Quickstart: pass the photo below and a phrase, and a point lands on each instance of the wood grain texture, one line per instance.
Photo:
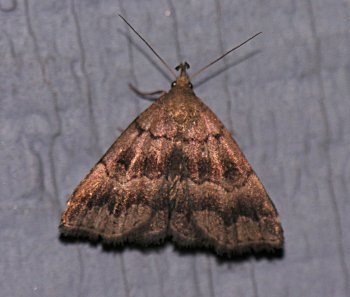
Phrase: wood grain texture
(64, 70)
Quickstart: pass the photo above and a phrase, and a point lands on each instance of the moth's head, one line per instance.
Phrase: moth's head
(183, 79)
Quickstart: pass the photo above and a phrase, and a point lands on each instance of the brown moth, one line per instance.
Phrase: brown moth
(176, 172)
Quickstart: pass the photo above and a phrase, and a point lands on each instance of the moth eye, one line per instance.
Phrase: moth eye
(190, 85)
(173, 84)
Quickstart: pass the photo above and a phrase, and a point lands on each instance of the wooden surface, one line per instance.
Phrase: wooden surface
(64, 70)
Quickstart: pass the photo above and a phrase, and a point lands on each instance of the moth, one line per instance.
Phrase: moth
(176, 172)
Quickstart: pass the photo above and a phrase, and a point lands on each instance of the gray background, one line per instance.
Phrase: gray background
(64, 70)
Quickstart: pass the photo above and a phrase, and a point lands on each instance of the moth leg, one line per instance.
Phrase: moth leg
(152, 96)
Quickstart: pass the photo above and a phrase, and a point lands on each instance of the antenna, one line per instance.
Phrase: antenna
(218, 59)
(150, 47)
